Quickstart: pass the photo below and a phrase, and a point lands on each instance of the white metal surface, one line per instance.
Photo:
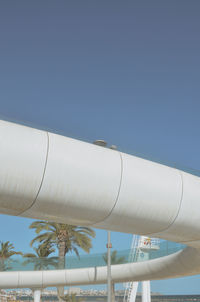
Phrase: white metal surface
(52, 177)
(186, 225)
(180, 264)
(23, 153)
(146, 189)
(79, 183)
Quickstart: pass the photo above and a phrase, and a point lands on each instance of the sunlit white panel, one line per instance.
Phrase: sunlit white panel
(54, 278)
(33, 278)
(81, 182)
(186, 226)
(9, 279)
(23, 153)
(149, 198)
(80, 275)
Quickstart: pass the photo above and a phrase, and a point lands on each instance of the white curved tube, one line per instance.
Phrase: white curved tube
(48, 176)
(182, 263)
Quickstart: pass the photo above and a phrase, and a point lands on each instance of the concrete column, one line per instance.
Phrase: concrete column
(146, 296)
(37, 295)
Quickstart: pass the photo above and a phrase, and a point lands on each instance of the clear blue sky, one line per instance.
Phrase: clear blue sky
(124, 71)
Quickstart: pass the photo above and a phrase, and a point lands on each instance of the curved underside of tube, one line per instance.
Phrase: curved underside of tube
(48, 176)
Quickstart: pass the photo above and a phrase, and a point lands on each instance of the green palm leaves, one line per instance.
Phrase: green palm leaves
(114, 258)
(6, 252)
(66, 238)
(40, 259)
(71, 298)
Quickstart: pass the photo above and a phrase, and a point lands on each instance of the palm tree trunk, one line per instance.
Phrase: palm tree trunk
(62, 255)
(113, 292)
(60, 291)
(61, 252)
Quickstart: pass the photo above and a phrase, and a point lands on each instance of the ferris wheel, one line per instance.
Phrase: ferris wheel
(141, 247)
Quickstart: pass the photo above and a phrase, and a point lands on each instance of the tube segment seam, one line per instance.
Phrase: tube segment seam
(120, 183)
(18, 276)
(179, 208)
(42, 279)
(165, 271)
(45, 165)
(181, 263)
(65, 276)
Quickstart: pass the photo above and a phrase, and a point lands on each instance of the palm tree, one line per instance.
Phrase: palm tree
(114, 259)
(65, 237)
(71, 298)
(6, 252)
(39, 259)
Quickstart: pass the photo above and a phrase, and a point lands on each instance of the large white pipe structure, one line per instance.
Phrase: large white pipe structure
(183, 263)
(48, 176)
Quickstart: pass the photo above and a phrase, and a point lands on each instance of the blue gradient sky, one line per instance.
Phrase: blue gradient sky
(124, 71)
